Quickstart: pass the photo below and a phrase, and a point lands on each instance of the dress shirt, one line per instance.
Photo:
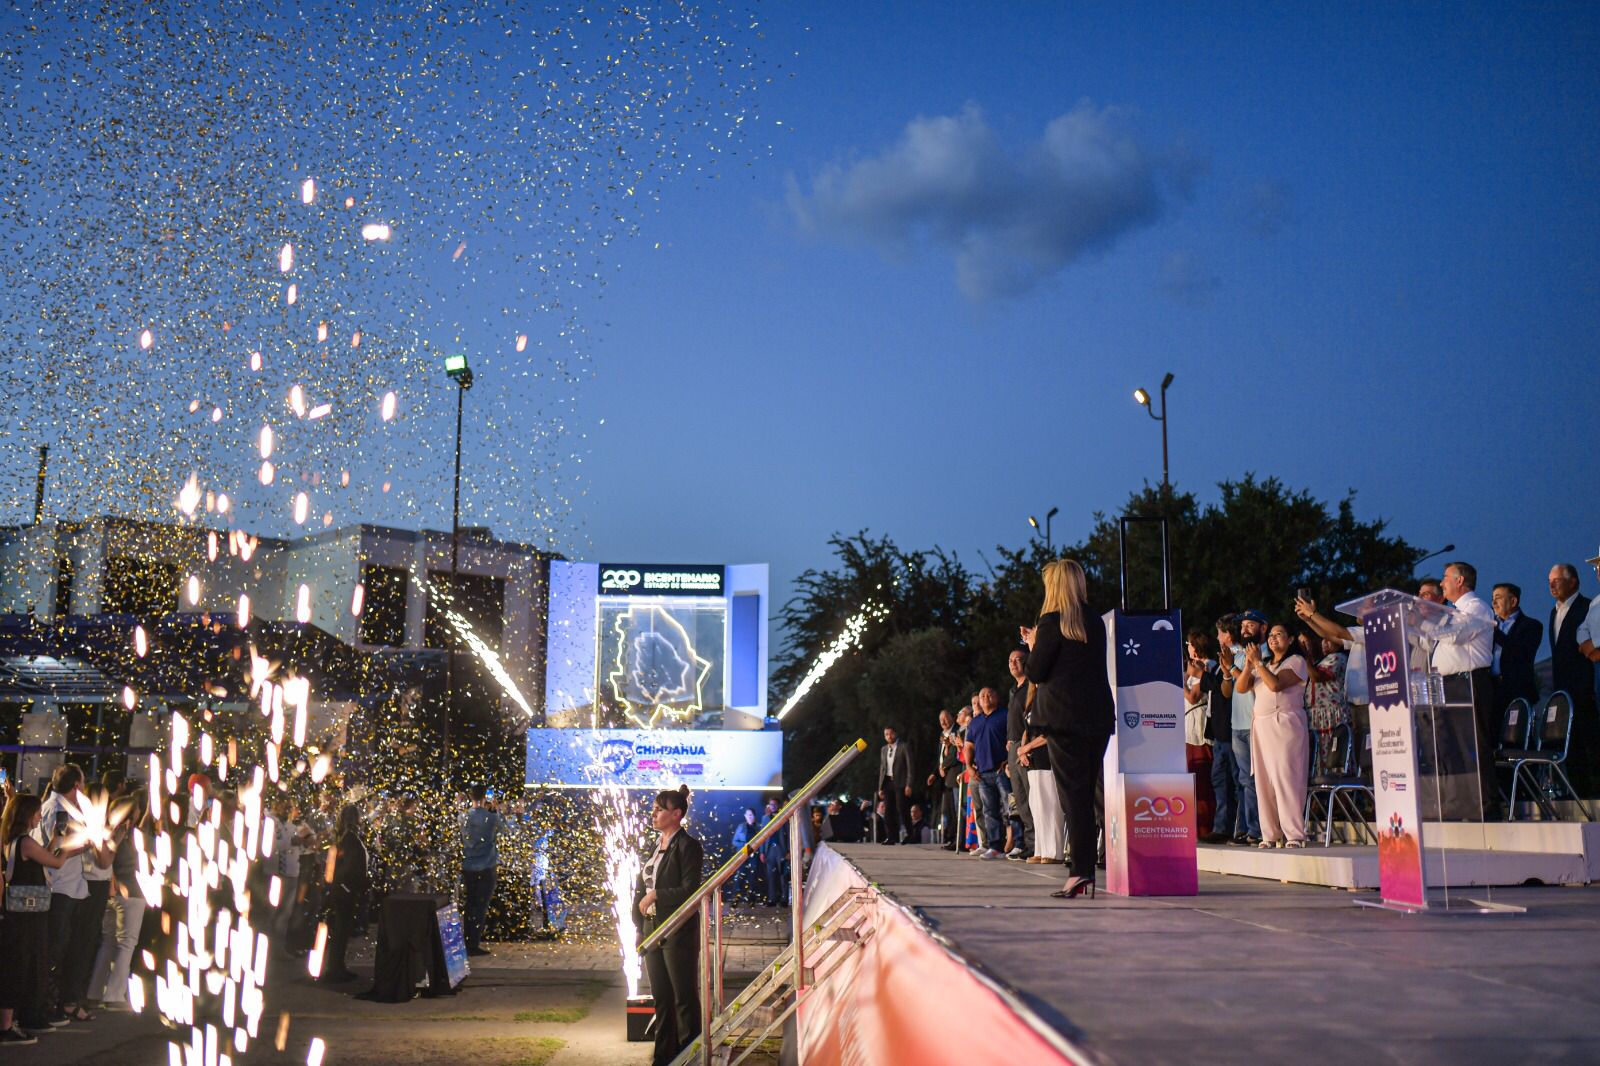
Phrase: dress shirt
(1456, 651)
(1562, 607)
(1242, 705)
(1505, 625)
(1355, 667)
(1589, 628)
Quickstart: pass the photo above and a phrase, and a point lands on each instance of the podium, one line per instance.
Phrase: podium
(1149, 791)
(1423, 737)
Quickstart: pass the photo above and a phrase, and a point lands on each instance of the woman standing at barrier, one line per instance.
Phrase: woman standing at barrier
(1067, 661)
(671, 873)
(1281, 744)
(1043, 798)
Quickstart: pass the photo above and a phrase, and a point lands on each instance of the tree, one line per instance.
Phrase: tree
(946, 634)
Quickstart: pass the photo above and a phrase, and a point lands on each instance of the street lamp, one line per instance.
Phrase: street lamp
(1034, 522)
(1144, 401)
(456, 368)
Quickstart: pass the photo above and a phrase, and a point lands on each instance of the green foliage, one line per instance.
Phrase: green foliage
(948, 632)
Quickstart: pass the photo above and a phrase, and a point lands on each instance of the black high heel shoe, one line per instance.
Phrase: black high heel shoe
(1075, 887)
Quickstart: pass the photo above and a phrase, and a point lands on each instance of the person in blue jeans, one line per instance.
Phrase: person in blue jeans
(1252, 630)
(986, 753)
(1206, 674)
(480, 859)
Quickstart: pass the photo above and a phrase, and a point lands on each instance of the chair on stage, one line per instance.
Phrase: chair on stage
(1541, 758)
(1514, 727)
(1351, 776)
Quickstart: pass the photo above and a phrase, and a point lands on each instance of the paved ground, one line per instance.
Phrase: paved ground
(1256, 971)
(542, 1004)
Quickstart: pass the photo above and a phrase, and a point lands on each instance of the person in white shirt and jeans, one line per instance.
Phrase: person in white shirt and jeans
(69, 894)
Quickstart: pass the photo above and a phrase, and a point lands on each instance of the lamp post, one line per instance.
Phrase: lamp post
(456, 368)
(1034, 522)
(1144, 401)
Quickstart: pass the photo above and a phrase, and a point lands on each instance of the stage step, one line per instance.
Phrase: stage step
(1346, 866)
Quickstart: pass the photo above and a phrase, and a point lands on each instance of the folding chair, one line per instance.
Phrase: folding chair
(1351, 774)
(1514, 727)
(1552, 733)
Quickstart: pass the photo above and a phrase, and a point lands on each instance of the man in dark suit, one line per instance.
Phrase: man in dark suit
(1571, 672)
(945, 780)
(894, 784)
(1516, 643)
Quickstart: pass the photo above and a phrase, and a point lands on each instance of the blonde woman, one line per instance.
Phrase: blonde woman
(1067, 661)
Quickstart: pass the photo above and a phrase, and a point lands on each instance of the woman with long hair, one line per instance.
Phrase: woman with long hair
(25, 933)
(1067, 661)
(346, 894)
(109, 982)
(671, 873)
(1280, 747)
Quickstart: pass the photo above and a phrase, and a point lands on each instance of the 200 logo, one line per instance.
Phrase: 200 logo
(1385, 663)
(1146, 809)
(619, 579)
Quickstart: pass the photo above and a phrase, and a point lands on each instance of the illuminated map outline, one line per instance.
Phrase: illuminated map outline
(617, 677)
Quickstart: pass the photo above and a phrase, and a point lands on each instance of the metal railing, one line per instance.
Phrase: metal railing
(707, 900)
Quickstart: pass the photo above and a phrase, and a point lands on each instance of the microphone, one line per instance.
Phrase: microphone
(1430, 555)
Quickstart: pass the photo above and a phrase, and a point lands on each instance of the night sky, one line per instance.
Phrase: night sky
(913, 294)
(1366, 242)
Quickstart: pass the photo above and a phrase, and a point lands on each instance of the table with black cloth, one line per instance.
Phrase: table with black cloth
(409, 948)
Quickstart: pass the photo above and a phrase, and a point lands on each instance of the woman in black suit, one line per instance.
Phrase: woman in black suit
(672, 871)
(1067, 660)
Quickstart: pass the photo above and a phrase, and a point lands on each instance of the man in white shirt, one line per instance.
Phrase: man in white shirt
(1464, 658)
(69, 890)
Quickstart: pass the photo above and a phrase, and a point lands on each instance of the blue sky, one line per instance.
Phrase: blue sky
(1372, 262)
(954, 238)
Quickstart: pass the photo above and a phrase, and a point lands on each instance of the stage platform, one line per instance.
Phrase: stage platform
(1458, 854)
(1250, 970)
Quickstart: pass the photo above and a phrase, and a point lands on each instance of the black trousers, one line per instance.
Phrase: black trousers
(1076, 761)
(85, 944)
(64, 912)
(675, 984)
(1019, 791)
(897, 809)
(341, 918)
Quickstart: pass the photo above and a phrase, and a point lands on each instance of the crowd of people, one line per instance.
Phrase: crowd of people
(1271, 705)
(73, 915)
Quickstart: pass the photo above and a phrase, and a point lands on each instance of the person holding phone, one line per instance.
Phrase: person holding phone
(1205, 673)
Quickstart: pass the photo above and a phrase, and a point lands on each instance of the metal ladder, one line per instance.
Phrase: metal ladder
(780, 987)
(753, 1016)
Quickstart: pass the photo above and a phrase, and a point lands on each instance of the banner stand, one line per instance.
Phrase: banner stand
(1149, 791)
(1398, 630)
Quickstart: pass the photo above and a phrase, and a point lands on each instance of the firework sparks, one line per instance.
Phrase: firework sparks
(849, 638)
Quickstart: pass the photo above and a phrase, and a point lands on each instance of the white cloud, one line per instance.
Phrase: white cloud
(1009, 216)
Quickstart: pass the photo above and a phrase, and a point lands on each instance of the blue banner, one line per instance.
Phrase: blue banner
(655, 758)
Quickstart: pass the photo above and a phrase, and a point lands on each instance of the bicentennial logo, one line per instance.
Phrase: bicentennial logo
(1384, 663)
(619, 580)
(1147, 809)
